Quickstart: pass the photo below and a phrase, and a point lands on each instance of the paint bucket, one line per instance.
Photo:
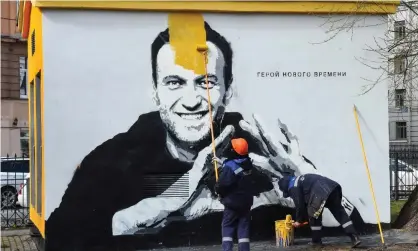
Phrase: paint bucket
(284, 232)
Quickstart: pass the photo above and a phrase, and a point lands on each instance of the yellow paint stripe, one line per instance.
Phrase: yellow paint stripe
(35, 64)
(187, 30)
(37, 220)
(306, 7)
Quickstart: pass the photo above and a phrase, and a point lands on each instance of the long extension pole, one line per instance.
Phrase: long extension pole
(204, 49)
(368, 173)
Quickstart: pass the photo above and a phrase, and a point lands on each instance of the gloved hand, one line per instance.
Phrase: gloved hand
(217, 160)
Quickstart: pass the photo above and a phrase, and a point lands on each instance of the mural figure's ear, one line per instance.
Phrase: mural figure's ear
(229, 93)
(155, 97)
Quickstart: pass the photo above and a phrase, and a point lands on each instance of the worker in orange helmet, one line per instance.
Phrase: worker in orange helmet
(236, 191)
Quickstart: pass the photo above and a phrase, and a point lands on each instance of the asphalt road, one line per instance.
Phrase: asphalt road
(14, 217)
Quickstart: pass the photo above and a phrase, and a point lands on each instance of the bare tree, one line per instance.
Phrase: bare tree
(395, 56)
(397, 49)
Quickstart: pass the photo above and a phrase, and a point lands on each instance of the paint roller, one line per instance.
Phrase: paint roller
(203, 48)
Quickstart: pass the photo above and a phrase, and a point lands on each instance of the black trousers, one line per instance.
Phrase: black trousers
(334, 204)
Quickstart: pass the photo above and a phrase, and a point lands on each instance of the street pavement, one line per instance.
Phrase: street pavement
(17, 240)
(394, 240)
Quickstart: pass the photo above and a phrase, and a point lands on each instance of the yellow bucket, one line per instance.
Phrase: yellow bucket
(284, 232)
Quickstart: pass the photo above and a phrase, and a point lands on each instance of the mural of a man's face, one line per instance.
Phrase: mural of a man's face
(181, 94)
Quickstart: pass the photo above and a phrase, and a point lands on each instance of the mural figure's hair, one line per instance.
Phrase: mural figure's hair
(211, 36)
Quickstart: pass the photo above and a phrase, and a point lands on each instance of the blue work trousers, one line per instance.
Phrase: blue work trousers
(236, 221)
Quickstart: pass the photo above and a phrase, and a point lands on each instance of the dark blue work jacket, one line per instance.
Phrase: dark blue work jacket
(235, 184)
(310, 193)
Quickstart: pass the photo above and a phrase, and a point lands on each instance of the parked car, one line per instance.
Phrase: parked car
(13, 173)
(407, 178)
(22, 195)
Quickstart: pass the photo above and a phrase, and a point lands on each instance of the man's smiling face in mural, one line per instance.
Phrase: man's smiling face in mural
(179, 77)
(182, 97)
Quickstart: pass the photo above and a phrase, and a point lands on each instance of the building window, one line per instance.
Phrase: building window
(400, 95)
(24, 141)
(399, 30)
(38, 142)
(23, 77)
(401, 130)
(32, 139)
(399, 64)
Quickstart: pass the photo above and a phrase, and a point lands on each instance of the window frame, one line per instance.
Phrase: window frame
(402, 127)
(24, 138)
(399, 29)
(399, 64)
(400, 98)
(23, 77)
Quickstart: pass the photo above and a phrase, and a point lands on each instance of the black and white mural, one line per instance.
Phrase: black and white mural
(157, 173)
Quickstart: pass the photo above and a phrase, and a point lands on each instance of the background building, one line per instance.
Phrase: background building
(401, 43)
(14, 104)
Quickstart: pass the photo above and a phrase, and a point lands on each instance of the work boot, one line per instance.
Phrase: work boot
(355, 240)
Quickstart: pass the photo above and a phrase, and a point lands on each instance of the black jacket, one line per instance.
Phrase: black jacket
(112, 177)
(235, 184)
(309, 193)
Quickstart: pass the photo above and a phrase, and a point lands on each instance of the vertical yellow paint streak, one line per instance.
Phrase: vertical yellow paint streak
(186, 31)
(35, 64)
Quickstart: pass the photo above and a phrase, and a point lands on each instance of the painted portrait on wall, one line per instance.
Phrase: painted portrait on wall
(159, 173)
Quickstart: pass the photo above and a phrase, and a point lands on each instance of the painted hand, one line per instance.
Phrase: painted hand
(281, 154)
(131, 220)
(204, 163)
(202, 168)
(297, 224)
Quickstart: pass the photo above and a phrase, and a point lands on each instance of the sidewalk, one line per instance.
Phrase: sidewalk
(395, 240)
(17, 240)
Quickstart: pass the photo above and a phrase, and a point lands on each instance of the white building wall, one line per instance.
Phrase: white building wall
(107, 55)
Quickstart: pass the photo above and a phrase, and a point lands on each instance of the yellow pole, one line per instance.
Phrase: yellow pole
(204, 49)
(368, 173)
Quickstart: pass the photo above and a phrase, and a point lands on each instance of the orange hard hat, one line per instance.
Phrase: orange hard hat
(240, 146)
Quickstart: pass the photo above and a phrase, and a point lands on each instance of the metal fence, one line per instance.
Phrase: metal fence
(403, 166)
(14, 191)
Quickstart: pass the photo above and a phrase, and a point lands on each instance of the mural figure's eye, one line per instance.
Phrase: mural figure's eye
(174, 84)
(211, 84)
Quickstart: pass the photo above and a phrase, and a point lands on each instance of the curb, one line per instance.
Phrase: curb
(15, 232)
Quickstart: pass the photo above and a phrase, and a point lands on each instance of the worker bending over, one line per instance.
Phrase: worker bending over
(311, 193)
(235, 189)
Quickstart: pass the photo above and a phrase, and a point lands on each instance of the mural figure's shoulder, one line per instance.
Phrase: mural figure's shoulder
(148, 126)
(120, 148)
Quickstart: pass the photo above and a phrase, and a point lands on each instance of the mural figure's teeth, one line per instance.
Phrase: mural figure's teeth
(191, 116)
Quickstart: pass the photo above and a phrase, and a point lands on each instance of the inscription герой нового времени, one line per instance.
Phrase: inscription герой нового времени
(301, 74)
